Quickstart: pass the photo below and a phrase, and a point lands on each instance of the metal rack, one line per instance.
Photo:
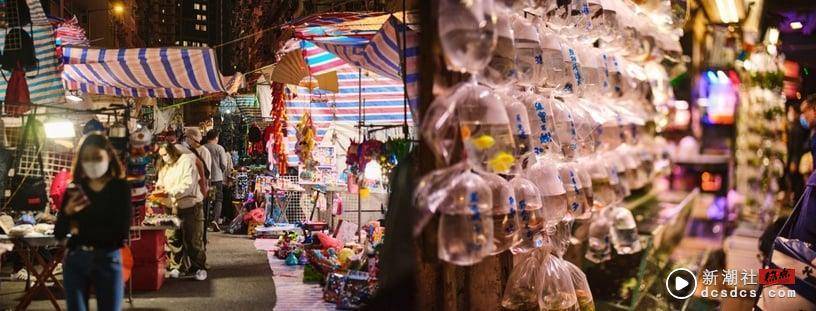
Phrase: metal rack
(651, 263)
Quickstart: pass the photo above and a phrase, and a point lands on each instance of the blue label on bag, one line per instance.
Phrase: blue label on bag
(545, 136)
(576, 72)
(606, 71)
(520, 128)
(573, 133)
(476, 218)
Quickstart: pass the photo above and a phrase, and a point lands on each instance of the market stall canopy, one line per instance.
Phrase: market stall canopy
(372, 41)
(304, 24)
(168, 72)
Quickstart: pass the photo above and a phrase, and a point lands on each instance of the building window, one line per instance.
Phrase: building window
(201, 17)
(201, 27)
(203, 7)
(177, 43)
(184, 43)
(196, 6)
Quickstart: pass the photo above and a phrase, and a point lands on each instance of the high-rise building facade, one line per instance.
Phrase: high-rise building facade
(108, 24)
(191, 23)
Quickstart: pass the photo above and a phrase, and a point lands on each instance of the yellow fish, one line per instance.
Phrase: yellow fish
(501, 162)
(484, 142)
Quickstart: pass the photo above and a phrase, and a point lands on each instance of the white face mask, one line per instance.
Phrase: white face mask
(95, 169)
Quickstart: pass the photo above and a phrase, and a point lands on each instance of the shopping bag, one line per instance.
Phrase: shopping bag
(791, 254)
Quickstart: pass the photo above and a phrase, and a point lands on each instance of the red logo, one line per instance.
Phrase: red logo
(777, 276)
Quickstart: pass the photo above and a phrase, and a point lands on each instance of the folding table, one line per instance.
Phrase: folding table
(28, 246)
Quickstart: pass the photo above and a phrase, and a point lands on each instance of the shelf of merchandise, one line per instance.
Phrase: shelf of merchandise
(658, 240)
(761, 153)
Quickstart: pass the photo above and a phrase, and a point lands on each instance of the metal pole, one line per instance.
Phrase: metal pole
(360, 123)
(403, 60)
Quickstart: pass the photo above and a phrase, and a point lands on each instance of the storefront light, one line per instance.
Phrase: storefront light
(796, 25)
(727, 10)
(772, 35)
(59, 129)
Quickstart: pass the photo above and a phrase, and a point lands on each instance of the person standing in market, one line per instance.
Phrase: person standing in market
(178, 185)
(97, 213)
(804, 227)
(220, 167)
(193, 143)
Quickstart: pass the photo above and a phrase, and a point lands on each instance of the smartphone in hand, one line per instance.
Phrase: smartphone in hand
(76, 199)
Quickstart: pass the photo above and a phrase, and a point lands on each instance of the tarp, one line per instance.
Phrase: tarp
(379, 53)
(169, 72)
(305, 26)
(383, 100)
(69, 32)
(44, 83)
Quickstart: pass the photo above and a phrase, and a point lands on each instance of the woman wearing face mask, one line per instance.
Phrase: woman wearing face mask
(178, 184)
(97, 214)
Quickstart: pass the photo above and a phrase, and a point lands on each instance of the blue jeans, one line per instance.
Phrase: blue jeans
(100, 268)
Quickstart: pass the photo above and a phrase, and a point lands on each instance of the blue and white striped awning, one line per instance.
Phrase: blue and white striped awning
(169, 72)
(44, 83)
(380, 54)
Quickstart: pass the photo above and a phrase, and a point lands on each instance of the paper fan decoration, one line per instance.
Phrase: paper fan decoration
(291, 68)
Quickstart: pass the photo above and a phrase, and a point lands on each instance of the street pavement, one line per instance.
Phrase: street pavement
(239, 279)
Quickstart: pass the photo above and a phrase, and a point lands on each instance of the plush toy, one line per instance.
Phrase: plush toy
(291, 260)
(344, 255)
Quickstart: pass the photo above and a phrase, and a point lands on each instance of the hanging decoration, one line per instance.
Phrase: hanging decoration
(228, 105)
(306, 141)
(278, 125)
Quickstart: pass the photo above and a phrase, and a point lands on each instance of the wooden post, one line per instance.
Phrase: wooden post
(442, 286)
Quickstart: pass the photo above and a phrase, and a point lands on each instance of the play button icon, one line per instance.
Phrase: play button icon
(681, 283)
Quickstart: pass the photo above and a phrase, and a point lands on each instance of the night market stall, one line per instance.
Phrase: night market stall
(110, 91)
(316, 143)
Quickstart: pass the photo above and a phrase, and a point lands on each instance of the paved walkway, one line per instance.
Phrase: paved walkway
(239, 279)
(293, 294)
